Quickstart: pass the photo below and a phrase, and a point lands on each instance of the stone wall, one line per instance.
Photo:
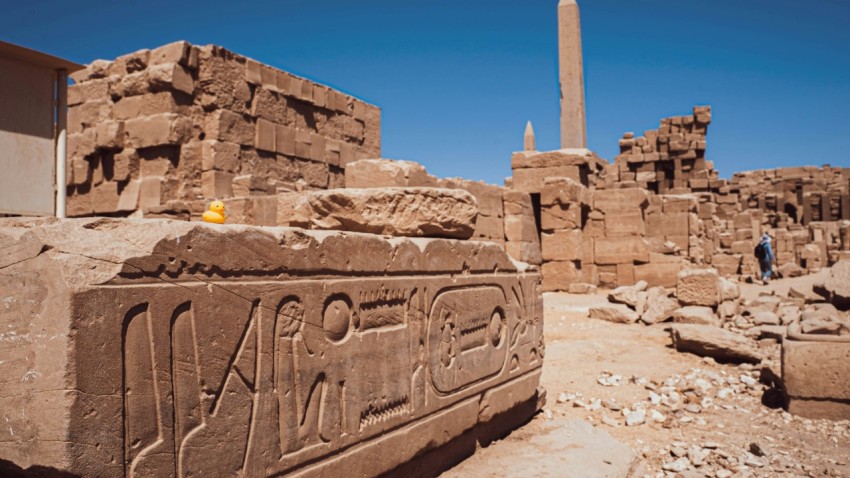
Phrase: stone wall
(154, 348)
(661, 207)
(164, 131)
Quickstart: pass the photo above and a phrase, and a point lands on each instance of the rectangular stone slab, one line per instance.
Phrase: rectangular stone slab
(817, 378)
(159, 348)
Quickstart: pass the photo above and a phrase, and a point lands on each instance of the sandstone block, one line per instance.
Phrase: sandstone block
(157, 130)
(528, 252)
(624, 223)
(620, 199)
(614, 313)
(179, 52)
(836, 288)
(560, 217)
(659, 306)
(415, 212)
(198, 322)
(225, 125)
(520, 228)
(109, 134)
(561, 245)
(217, 184)
(621, 250)
(170, 76)
(694, 314)
(532, 180)
(131, 107)
(817, 371)
(220, 155)
(698, 287)
(660, 271)
(559, 275)
(376, 173)
(710, 341)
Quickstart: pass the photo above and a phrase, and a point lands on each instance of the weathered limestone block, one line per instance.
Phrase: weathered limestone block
(614, 313)
(620, 199)
(695, 314)
(710, 341)
(415, 212)
(817, 378)
(385, 173)
(163, 348)
(699, 287)
(836, 288)
(620, 250)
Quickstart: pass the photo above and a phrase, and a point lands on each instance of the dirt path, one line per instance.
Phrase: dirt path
(717, 428)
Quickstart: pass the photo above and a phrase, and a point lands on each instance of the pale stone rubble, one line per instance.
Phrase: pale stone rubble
(711, 319)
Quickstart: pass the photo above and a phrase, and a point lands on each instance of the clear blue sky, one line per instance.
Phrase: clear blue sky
(457, 80)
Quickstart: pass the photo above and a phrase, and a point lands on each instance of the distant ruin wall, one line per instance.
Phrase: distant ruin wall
(661, 207)
(164, 131)
(163, 348)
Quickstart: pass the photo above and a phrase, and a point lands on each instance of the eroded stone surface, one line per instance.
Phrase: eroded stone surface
(163, 347)
(710, 341)
(413, 212)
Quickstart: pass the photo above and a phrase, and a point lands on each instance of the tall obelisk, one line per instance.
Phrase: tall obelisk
(573, 124)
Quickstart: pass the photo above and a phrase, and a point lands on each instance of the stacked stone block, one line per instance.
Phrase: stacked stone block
(161, 132)
(383, 173)
(669, 160)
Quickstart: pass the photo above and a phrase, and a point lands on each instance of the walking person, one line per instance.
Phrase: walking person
(764, 254)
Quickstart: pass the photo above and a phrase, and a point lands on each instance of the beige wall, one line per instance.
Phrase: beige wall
(27, 159)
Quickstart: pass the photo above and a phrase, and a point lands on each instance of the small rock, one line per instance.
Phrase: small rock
(678, 451)
(697, 455)
(693, 408)
(610, 421)
(657, 416)
(614, 313)
(562, 398)
(635, 418)
(757, 449)
(676, 466)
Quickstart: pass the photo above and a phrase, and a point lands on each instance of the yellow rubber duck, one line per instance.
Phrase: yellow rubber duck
(215, 214)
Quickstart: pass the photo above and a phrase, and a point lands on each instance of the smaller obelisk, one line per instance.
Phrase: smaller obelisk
(529, 143)
(573, 122)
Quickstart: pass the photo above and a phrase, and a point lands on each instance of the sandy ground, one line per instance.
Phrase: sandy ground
(736, 435)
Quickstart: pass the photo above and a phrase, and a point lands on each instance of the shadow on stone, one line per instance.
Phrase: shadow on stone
(11, 470)
(437, 460)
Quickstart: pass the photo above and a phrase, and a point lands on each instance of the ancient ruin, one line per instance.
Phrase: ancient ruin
(357, 315)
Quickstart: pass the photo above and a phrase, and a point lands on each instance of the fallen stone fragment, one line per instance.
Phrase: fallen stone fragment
(628, 295)
(617, 313)
(693, 314)
(635, 418)
(806, 294)
(836, 288)
(677, 466)
(582, 288)
(706, 340)
(791, 269)
(729, 290)
(660, 306)
(412, 212)
(765, 318)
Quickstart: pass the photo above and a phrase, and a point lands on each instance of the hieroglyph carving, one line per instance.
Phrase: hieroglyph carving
(219, 379)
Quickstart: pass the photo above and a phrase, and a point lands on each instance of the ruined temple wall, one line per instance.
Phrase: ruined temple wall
(186, 348)
(162, 132)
